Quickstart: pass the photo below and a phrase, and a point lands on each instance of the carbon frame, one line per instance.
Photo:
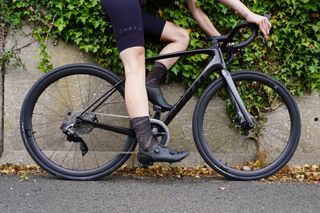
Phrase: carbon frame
(216, 64)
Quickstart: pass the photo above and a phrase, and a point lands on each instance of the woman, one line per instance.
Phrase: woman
(130, 26)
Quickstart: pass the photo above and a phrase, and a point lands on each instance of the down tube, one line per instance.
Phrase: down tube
(212, 66)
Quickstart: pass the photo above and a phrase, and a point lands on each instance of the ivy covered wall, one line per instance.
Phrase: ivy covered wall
(291, 54)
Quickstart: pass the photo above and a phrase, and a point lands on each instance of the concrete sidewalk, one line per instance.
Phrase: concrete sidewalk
(118, 194)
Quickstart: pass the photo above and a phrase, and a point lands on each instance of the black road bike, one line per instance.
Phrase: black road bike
(246, 125)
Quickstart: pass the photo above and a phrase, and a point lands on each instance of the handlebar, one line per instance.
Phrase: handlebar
(229, 37)
(245, 43)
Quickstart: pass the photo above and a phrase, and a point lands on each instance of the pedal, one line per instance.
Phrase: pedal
(144, 165)
(157, 111)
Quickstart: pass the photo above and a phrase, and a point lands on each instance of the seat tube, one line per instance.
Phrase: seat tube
(236, 97)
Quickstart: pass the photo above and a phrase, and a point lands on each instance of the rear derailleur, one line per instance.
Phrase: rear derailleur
(73, 136)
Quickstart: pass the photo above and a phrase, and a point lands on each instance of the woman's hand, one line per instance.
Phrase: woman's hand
(261, 21)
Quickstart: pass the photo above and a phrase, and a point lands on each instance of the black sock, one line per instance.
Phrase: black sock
(157, 73)
(142, 128)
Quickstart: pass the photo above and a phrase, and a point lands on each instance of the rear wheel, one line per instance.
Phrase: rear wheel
(55, 101)
(243, 154)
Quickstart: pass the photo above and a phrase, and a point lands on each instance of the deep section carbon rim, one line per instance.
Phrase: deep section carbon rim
(57, 99)
(247, 154)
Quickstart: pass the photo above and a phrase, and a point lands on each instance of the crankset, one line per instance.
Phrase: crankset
(160, 131)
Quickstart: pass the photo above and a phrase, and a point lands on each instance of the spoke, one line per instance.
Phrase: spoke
(95, 155)
(51, 110)
(98, 139)
(279, 122)
(104, 98)
(48, 123)
(66, 155)
(267, 151)
(74, 155)
(53, 142)
(244, 157)
(283, 131)
(212, 128)
(57, 99)
(67, 86)
(284, 109)
(276, 136)
(70, 106)
(42, 136)
(242, 143)
(216, 113)
(95, 89)
(227, 151)
(43, 114)
(80, 92)
(272, 146)
(89, 89)
(221, 145)
(84, 165)
(58, 144)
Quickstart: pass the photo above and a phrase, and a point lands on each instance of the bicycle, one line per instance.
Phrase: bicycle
(74, 123)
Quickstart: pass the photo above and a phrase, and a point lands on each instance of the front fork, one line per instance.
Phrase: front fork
(241, 112)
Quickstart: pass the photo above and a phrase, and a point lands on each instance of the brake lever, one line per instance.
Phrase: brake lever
(239, 55)
(264, 41)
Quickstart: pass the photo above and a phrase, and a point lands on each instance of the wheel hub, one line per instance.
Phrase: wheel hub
(79, 127)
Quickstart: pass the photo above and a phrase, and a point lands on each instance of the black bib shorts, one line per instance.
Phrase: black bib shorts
(130, 25)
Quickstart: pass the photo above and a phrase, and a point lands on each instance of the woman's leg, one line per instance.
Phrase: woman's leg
(177, 39)
(135, 91)
(126, 18)
(136, 96)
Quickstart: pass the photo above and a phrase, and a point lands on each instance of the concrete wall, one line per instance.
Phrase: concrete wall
(2, 46)
(18, 81)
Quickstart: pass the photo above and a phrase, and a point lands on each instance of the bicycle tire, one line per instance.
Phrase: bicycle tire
(57, 97)
(212, 136)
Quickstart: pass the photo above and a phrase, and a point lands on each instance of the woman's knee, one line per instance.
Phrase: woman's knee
(133, 55)
(133, 60)
(184, 36)
(173, 33)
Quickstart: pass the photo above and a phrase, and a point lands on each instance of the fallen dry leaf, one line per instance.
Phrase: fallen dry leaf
(299, 173)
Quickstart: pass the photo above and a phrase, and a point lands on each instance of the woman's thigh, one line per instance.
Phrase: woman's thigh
(126, 19)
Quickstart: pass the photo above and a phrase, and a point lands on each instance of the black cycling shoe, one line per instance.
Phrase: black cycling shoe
(156, 97)
(160, 153)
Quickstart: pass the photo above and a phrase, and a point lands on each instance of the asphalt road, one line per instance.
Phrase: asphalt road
(120, 194)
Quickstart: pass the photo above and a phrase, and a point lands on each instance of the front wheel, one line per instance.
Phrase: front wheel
(239, 153)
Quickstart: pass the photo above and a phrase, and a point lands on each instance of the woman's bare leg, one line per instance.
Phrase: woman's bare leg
(178, 39)
(135, 90)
